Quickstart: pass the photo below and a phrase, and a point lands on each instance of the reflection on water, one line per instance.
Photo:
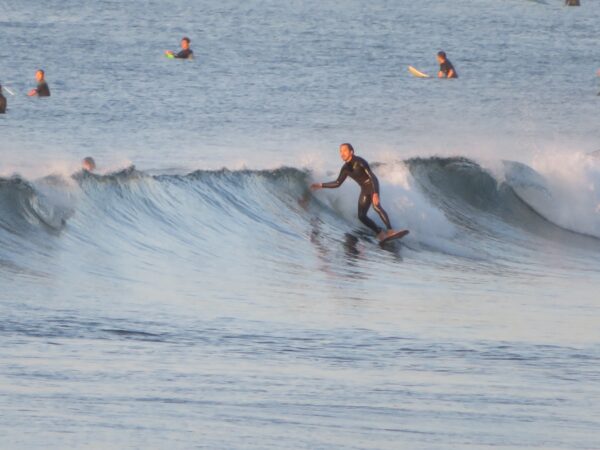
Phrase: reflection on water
(350, 245)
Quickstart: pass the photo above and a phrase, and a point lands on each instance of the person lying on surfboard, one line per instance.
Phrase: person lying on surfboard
(446, 67)
(358, 169)
(185, 53)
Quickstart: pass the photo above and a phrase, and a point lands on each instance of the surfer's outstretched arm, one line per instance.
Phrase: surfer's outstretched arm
(332, 184)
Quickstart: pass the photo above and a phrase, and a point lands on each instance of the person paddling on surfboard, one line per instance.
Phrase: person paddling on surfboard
(185, 53)
(446, 67)
(358, 169)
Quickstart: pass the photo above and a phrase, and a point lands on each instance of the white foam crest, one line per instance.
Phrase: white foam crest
(572, 200)
(34, 170)
(408, 207)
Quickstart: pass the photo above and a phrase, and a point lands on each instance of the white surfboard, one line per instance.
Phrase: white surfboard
(417, 73)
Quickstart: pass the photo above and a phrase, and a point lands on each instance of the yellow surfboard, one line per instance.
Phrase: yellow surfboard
(417, 73)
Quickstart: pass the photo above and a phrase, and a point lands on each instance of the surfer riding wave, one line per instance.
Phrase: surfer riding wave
(358, 169)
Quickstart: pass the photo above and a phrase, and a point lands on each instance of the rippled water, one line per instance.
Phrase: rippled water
(205, 299)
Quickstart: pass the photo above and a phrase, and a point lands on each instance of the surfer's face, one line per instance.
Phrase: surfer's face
(39, 76)
(440, 59)
(345, 153)
(184, 44)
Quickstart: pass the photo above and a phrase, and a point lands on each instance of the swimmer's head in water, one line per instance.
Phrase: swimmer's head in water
(39, 75)
(185, 43)
(346, 151)
(441, 56)
(88, 164)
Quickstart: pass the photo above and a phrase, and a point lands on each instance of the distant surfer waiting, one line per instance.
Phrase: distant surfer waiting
(358, 169)
(42, 89)
(2, 101)
(446, 68)
(185, 53)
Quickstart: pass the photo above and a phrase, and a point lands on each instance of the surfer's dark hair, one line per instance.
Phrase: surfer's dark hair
(41, 71)
(442, 54)
(186, 39)
(89, 160)
(347, 144)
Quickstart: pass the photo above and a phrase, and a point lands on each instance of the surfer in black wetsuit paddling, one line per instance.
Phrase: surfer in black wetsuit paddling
(358, 169)
(185, 53)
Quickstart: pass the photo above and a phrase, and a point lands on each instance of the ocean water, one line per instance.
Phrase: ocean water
(192, 293)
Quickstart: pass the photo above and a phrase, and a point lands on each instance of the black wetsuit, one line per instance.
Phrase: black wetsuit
(2, 103)
(358, 169)
(185, 54)
(446, 67)
(42, 89)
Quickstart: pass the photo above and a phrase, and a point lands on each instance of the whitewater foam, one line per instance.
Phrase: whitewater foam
(573, 185)
(563, 188)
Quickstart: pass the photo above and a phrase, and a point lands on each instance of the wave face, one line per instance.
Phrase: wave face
(451, 205)
(24, 206)
(473, 197)
(518, 195)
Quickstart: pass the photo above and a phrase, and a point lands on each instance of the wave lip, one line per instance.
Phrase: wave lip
(565, 190)
(519, 195)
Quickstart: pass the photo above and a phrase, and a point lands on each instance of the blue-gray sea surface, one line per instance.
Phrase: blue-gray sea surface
(192, 292)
